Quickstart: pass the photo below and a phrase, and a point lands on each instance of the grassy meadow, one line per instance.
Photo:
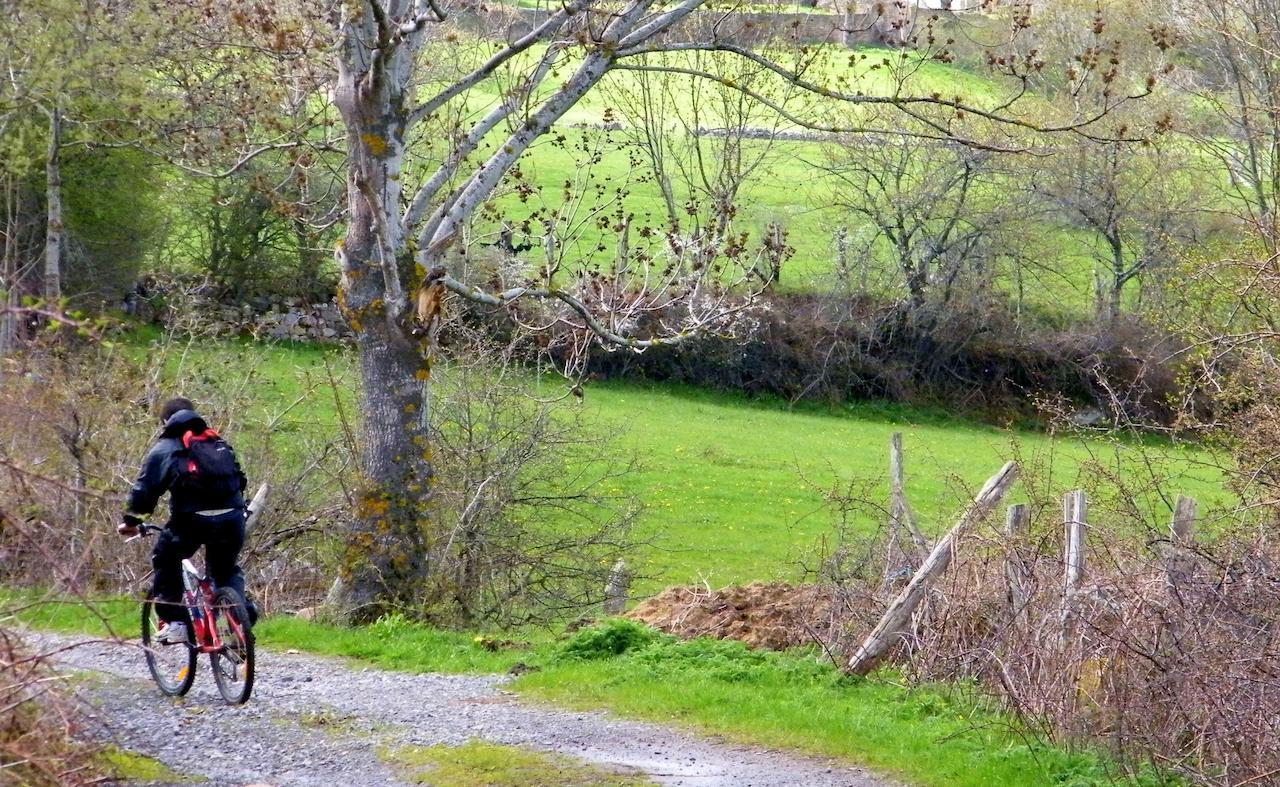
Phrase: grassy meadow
(732, 489)
(582, 172)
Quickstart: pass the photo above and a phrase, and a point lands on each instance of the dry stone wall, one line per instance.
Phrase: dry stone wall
(270, 318)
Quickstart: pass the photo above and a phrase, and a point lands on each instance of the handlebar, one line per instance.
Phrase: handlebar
(144, 530)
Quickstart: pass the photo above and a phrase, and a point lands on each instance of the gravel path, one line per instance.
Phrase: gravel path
(319, 721)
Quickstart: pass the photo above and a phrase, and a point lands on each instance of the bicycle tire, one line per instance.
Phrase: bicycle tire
(173, 673)
(233, 666)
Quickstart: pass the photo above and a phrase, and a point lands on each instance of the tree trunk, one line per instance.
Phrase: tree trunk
(9, 273)
(385, 563)
(53, 225)
(310, 259)
(916, 274)
(1118, 279)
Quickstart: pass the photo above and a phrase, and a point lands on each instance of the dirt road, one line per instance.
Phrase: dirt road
(319, 721)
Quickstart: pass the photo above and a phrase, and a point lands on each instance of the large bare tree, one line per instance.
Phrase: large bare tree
(402, 88)
(1133, 207)
(934, 213)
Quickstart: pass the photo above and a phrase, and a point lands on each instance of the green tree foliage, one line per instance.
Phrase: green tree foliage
(248, 236)
(72, 88)
(112, 201)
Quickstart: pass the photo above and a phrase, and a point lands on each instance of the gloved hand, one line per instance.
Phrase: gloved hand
(128, 525)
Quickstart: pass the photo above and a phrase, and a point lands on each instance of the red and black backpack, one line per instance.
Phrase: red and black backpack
(207, 467)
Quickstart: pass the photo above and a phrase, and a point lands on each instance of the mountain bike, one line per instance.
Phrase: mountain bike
(219, 627)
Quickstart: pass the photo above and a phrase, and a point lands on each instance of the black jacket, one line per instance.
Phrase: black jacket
(160, 471)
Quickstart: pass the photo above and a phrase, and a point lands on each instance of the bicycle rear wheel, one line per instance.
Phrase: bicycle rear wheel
(233, 665)
(173, 667)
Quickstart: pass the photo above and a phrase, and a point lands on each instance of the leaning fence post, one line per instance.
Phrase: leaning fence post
(1017, 578)
(895, 619)
(1178, 566)
(1075, 509)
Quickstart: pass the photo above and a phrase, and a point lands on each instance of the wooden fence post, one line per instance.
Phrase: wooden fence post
(1075, 511)
(617, 588)
(1178, 566)
(899, 508)
(879, 642)
(1017, 578)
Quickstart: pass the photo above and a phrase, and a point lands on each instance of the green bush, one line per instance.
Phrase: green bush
(608, 639)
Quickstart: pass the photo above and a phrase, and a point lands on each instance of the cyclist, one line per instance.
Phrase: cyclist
(206, 508)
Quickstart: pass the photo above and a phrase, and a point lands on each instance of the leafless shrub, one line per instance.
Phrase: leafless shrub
(39, 746)
(1186, 675)
(1166, 653)
(532, 517)
(74, 422)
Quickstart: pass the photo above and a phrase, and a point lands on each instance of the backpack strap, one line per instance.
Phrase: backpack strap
(189, 437)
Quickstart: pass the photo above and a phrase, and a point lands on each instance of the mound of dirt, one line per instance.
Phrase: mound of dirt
(773, 615)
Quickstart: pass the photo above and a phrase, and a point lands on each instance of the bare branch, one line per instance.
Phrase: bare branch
(541, 33)
(897, 101)
(608, 337)
(822, 127)
(449, 168)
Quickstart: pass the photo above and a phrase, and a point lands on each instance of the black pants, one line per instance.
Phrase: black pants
(222, 537)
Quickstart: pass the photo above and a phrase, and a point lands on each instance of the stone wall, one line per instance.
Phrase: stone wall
(264, 318)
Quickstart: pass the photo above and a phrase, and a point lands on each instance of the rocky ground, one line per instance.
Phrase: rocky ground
(319, 721)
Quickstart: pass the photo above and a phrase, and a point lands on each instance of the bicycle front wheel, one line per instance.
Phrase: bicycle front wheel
(173, 667)
(233, 664)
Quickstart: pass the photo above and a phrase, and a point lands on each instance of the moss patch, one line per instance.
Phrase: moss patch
(133, 767)
(479, 764)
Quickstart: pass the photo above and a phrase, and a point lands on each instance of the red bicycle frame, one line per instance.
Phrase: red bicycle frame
(197, 596)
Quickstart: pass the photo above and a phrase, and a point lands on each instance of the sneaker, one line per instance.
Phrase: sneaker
(172, 634)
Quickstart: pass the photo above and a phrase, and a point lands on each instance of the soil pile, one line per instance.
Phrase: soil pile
(773, 615)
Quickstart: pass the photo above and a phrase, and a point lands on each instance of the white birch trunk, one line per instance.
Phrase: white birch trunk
(53, 224)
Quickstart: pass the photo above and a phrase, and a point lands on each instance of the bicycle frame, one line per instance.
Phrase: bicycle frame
(231, 659)
(197, 596)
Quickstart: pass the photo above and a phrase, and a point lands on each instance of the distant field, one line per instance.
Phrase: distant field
(732, 488)
(788, 187)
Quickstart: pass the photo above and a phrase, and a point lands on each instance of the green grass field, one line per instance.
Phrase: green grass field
(787, 187)
(732, 488)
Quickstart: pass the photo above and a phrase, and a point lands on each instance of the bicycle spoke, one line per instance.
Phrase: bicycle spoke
(233, 663)
(172, 666)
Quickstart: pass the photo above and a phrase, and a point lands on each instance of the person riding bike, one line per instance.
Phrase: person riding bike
(206, 508)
